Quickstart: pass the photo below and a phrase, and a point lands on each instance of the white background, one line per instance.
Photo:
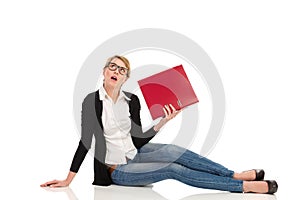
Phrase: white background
(255, 46)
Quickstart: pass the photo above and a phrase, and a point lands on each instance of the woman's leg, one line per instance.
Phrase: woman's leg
(168, 153)
(140, 174)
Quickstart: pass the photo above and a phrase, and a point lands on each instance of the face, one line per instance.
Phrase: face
(114, 78)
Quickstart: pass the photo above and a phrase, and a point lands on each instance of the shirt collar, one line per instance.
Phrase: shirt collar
(103, 94)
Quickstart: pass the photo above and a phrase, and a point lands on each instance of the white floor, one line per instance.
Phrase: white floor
(145, 193)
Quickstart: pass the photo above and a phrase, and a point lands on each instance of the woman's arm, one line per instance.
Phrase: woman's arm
(84, 145)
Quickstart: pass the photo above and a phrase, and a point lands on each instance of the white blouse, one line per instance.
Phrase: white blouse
(117, 124)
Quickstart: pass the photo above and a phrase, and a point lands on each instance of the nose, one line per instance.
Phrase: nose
(116, 72)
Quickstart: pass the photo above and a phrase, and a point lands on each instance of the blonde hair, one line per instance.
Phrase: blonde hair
(124, 60)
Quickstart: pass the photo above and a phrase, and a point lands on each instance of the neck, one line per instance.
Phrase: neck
(112, 92)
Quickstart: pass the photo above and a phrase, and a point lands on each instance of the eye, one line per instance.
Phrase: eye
(112, 65)
(123, 70)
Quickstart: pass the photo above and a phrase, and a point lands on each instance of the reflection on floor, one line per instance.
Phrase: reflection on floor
(115, 192)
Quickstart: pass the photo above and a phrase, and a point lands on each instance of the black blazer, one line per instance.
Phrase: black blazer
(91, 125)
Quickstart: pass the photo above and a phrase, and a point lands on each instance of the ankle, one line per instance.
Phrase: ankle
(236, 176)
(249, 175)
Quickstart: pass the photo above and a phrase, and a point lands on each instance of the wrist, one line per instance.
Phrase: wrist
(156, 128)
(161, 123)
(67, 181)
(70, 177)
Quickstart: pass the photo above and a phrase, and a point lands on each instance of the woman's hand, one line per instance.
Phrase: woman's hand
(170, 113)
(56, 183)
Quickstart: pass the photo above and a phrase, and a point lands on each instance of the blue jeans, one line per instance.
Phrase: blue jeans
(156, 162)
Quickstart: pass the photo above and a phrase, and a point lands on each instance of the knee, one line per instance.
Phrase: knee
(172, 148)
(175, 168)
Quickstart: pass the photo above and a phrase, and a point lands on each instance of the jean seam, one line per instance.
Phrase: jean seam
(208, 166)
(223, 184)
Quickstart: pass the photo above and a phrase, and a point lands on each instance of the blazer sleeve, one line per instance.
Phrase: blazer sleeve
(139, 137)
(86, 133)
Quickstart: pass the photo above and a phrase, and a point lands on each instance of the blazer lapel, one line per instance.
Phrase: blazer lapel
(98, 108)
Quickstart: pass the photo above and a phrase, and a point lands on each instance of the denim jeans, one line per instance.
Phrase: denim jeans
(156, 162)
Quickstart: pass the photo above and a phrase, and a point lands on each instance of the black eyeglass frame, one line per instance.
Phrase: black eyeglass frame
(115, 67)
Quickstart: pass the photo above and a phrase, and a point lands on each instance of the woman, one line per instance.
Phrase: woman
(124, 156)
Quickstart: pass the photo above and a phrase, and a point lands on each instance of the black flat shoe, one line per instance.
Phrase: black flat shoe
(260, 174)
(272, 186)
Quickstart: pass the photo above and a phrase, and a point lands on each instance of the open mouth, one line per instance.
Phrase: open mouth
(114, 78)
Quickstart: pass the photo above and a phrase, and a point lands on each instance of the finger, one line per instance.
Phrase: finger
(166, 114)
(49, 183)
(173, 109)
(168, 109)
(45, 185)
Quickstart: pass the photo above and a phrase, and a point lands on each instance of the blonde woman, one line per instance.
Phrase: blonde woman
(124, 156)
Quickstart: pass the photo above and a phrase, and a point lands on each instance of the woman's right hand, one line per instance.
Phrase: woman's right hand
(56, 183)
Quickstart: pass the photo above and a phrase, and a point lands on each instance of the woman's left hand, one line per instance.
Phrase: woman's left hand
(170, 113)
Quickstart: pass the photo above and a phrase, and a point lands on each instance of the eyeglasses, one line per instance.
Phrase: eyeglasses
(113, 67)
